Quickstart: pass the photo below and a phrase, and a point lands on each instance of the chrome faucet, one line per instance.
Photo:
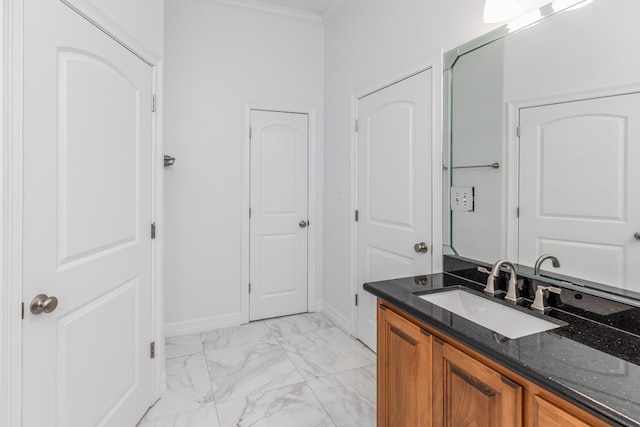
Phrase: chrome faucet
(540, 302)
(512, 291)
(543, 258)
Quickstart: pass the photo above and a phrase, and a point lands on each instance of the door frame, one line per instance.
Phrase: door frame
(314, 204)
(435, 64)
(511, 148)
(11, 138)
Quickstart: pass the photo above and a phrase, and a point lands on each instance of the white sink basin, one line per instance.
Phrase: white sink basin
(504, 320)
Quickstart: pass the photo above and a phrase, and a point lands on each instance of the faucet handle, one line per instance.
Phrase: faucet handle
(554, 290)
(540, 301)
(483, 270)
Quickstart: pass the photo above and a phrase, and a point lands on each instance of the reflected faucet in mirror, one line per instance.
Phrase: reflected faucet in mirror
(542, 259)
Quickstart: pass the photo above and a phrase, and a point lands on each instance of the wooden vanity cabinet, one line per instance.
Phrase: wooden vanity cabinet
(467, 392)
(544, 409)
(428, 379)
(404, 371)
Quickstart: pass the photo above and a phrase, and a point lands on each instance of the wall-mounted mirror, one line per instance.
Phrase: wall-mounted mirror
(542, 144)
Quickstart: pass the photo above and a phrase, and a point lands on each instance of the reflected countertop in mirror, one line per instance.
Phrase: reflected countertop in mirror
(555, 106)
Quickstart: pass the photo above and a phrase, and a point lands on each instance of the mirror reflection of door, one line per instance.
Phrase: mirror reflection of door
(279, 214)
(394, 189)
(580, 188)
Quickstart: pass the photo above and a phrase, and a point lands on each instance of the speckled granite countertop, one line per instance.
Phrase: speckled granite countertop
(593, 361)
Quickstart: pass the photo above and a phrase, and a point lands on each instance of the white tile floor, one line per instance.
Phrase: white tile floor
(293, 371)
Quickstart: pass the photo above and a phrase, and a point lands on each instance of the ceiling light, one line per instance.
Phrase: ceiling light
(496, 11)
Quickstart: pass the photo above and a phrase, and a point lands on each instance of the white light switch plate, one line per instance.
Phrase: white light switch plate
(462, 199)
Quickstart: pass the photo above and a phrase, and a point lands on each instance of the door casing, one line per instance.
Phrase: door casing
(11, 122)
(314, 205)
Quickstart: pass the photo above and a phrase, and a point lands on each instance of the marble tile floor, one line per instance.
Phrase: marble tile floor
(298, 371)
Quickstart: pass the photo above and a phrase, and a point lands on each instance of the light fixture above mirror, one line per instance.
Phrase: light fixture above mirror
(497, 11)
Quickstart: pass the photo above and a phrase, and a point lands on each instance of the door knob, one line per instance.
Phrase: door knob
(303, 224)
(421, 247)
(637, 235)
(43, 303)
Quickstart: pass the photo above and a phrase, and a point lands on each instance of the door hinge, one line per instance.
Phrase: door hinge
(356, 127)
(250, 132)
(518, 131)
(356, 300)
(517, 212)
(23, 310)
(357, 215)
(154, 103)
(152, 350)
(249, 287)
(153, 230)
(249, 212)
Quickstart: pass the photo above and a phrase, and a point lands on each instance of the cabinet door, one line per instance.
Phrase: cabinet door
(469, 393)
(554, 412)
(404, 372)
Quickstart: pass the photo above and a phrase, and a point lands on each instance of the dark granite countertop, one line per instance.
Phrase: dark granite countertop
(593, 361)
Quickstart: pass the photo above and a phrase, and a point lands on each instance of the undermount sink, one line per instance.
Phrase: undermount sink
(500, 318)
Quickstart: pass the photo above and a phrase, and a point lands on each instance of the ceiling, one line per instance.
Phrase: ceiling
(313, 6)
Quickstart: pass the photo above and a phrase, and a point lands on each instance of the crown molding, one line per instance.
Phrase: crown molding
(270, 9)
(334, 7)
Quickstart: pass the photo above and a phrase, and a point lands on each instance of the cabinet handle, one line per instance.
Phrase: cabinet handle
(479, 385)
(403, 335)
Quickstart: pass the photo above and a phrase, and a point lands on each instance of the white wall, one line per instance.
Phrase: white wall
(143, 19)
(216, 58)
(367, 42)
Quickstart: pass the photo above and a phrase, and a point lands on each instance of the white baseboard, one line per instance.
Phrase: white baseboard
(202, 325)
(335, 316)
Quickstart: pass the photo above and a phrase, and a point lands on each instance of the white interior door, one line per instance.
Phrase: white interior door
(394, 189)
(580, 188)
(279, 221)
(86, 224)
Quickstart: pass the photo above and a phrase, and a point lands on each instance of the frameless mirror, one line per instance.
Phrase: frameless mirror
(542, 144)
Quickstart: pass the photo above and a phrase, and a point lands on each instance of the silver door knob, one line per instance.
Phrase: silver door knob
(303, 224)
(421, 247)
(43, 304)
(637, 235)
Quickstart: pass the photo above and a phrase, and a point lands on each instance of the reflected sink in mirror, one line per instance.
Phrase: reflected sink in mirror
(507, 321)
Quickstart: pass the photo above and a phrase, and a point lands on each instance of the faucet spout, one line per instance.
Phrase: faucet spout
(542, 259)
(512, 292)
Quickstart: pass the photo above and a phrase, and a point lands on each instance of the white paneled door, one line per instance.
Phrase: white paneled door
(86, 224)
(394, 189)
(580, 188)
(279, 214)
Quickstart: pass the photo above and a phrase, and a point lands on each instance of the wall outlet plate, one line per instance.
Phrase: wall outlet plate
(462, 199)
